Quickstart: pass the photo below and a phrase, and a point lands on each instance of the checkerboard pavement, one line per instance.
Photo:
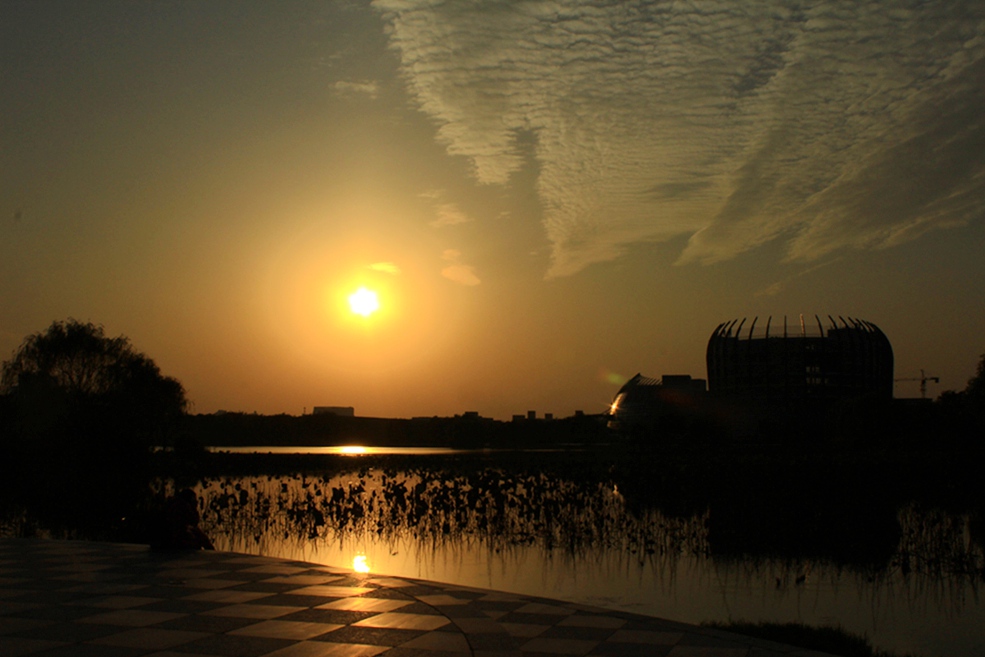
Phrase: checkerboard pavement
(81, 599)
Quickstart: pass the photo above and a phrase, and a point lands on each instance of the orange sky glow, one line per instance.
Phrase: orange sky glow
(545, 205)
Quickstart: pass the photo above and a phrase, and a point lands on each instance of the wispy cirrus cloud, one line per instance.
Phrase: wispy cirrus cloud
(448, 214)
(457, 271)
(354, 88)
(824, 124)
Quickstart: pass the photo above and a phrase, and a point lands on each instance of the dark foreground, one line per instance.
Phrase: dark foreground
(82, 598)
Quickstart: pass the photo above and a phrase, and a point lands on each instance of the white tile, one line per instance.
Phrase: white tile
(378, 605)
(330, 591)
(253, 611)
(400, 621)
(278, 629)
(445, 642)
(325, 649)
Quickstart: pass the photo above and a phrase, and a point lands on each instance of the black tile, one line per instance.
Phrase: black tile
(370, 635)
(14, 626)
(462, 611)
(466, 595)
(245, 577)
(263, 587)
(61, 613)
(183, 606)
(419, 608)
(530, 619)
(388, 594)
(92, 650)
(36, 583)
(492, 641)
(334, 616)
(161, 591)
(415, 591)
(496, 605)
(289, 600)
(354, 582)
(213, 624)
(71, 632)
(414, 652)
(232, 645)
(50, 597)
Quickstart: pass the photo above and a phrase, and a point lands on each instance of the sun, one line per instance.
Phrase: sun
(364, 302)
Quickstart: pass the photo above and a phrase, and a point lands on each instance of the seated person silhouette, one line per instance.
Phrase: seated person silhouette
(181, 519)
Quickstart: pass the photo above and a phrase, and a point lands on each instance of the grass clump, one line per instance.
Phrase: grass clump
(832, 640)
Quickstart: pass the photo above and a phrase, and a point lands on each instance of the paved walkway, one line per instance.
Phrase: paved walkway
(80, 599)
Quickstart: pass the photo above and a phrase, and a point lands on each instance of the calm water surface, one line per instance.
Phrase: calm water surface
(581, 541)
(345, 450)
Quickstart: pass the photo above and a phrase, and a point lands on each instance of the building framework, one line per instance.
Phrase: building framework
(775, 364)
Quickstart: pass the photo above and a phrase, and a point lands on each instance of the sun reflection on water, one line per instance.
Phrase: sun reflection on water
(359, 564)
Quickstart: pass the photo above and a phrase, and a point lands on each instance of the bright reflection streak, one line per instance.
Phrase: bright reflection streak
(346, 450)
(359, 564)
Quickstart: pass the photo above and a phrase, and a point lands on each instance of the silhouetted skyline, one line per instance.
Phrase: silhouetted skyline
(545, 198)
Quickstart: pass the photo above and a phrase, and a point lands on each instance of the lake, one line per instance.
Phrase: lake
(583, 538)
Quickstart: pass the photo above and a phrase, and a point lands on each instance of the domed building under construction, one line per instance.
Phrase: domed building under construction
(768, 368)
(771, 363)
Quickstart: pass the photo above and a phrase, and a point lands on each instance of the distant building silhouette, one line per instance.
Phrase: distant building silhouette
(813, 362)
(759, 370)
(643, 400)
(341, 411)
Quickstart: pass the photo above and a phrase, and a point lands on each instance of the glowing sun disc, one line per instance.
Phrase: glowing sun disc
(364, 302)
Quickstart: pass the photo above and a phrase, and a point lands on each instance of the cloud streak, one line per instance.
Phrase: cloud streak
(351, 89)
(827, 125)
(456, 271)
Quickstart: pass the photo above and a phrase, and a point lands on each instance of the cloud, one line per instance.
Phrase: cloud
(449, 215)
(735, 123)
(350, 89)
(777, 287)
(456, 271)
(386, 268)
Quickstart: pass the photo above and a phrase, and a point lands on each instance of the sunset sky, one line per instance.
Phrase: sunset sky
(546, 197)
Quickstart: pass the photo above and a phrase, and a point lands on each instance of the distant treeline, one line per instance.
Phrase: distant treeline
(951, 422)
(242, 429)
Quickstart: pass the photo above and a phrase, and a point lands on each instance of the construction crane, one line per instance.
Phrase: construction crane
(923, 378)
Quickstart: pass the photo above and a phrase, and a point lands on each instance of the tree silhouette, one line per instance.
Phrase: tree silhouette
(82, 412)
(976, 384)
